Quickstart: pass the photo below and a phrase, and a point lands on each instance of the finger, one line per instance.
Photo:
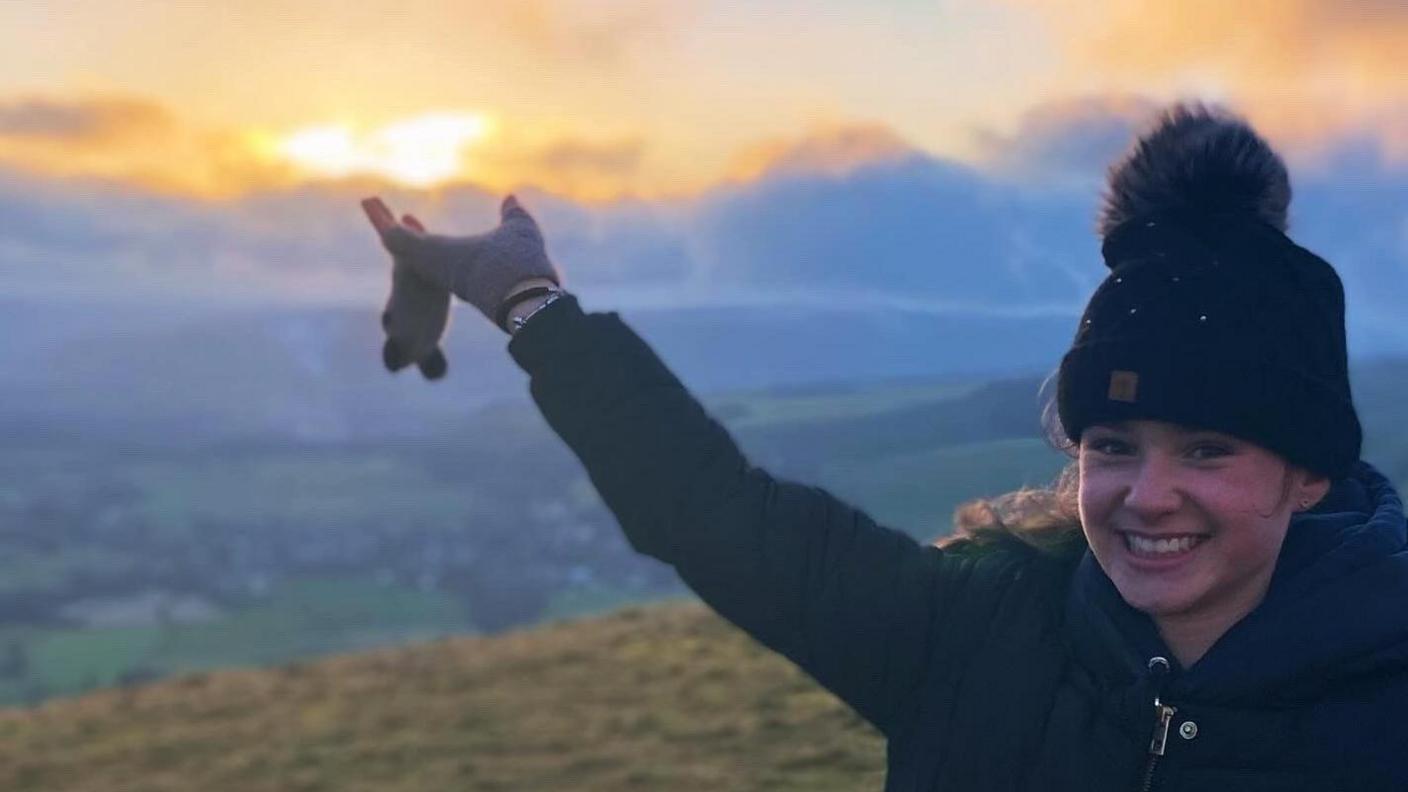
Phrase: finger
(511, 207)
(392, 357)
(434, 365)
(381, 217)
(411, 221)
(402, 241)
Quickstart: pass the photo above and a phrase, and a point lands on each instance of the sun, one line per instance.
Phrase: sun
(419, 151)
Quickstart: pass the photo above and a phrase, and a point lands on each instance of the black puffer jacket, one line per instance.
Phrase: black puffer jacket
(998, 669)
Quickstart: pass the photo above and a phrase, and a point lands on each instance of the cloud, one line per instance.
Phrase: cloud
(1307, 72)
(131, 140)
(590, 170)
(914, 228)
(142, 143)
(834, 149)
(1069, 139)
(619, 157)
(580, 31)
(935, 232)
(901, 234)
(39, 118)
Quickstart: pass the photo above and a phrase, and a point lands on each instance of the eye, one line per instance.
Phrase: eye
(1107, 446)
(1209, 451)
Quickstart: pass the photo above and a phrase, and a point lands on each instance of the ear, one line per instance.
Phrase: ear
(434, 365)
(1311, 487)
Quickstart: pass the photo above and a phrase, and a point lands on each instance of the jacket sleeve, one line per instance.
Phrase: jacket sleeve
(851, 602)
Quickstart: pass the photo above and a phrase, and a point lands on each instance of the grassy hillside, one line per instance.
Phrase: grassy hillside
(664, 697)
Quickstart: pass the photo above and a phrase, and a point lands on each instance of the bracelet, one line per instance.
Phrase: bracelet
(519, 321)
(501, 315)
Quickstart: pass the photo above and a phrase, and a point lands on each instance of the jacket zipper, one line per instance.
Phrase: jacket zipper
(1156, 746)
(1158, 669)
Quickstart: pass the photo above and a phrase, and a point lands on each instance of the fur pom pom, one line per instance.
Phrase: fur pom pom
(1200, 159)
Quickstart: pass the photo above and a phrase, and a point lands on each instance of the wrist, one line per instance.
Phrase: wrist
(522, 310)
(519, 314)
(525, 285)
(522, 299)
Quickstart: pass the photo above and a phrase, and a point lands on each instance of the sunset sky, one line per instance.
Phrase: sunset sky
(595, 99)
(158, 145)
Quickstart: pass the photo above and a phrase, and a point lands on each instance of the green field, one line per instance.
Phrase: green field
(301, 618)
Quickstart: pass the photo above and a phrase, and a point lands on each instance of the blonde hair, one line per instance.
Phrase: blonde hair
(1046, 519)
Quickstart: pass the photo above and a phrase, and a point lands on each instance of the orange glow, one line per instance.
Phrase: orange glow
(139, 143)
(145, 144)
(1304, 71)
(828, 148)
(418, 152)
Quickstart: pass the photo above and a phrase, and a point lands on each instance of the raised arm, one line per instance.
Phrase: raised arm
(849, 601)
(856, 605)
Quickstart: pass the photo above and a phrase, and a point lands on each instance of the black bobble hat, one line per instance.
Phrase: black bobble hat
(1211, 317)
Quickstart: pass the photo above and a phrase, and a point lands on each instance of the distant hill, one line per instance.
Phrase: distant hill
(661, 698)
(180, 376)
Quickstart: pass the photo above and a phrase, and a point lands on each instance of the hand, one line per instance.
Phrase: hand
(417, 313)
(479, 269)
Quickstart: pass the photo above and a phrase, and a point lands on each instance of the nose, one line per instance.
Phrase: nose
(1153, 491)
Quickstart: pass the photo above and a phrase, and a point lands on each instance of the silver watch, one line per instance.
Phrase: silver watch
(519, 321)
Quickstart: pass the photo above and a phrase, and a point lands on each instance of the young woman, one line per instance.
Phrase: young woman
(1215, 596)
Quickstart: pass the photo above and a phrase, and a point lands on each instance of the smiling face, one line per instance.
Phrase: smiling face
(1187, 523)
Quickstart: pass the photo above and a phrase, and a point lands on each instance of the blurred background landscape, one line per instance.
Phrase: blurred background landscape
(250, 487)
(862, 245)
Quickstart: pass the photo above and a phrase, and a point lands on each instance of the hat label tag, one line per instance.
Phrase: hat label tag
(1124, 386)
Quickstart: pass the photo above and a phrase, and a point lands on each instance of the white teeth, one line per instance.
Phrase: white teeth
(1160, 546)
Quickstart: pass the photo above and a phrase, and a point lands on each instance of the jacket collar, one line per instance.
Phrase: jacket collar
(1334, 610)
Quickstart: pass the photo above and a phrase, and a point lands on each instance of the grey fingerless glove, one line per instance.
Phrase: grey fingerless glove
(428, 268)
(479, 269)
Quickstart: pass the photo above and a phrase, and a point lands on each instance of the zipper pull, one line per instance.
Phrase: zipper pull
(1160, 740)
(1158, 672)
